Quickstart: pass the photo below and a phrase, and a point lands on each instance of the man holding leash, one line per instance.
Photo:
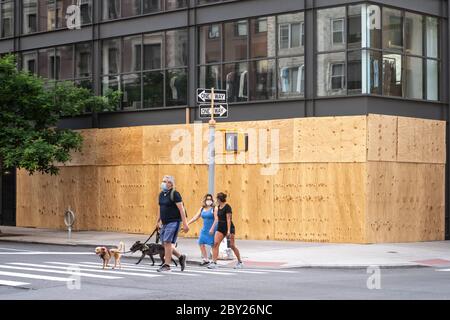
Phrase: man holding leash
(171, 214)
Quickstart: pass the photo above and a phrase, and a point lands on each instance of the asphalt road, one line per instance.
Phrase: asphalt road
(48, 272)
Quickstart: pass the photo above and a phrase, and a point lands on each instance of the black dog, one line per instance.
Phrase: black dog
(150, 250)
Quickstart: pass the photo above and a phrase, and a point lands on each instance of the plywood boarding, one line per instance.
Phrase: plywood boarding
(336, 139)
(421, 141)
(405, 202)
(382, 138)
(320, 203)
(87, 155)
(120, 146)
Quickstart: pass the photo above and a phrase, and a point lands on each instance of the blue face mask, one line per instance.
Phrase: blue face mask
(164, 187)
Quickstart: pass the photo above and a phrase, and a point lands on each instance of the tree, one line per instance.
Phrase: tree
(30, 109)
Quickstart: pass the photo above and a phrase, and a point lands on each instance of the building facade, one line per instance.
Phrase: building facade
(276, 59)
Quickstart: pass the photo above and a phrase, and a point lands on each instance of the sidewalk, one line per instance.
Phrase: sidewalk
(264, 254)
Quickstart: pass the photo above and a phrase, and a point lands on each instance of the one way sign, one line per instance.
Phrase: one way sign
(220, 111)
(204, 96)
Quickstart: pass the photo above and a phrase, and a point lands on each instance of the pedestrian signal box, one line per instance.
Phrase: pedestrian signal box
(236, 141)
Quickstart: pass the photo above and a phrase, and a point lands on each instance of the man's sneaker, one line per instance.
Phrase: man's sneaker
(204, 263)
(182, 260)
(212, 265)
(164, 268)
(239, 265)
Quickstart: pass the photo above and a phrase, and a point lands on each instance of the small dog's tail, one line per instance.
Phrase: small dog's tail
(121, 247)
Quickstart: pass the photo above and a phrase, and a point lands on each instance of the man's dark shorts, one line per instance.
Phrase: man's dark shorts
(169, 232)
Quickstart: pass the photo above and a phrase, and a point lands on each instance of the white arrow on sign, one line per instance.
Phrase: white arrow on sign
(207, 96)
(219, 110)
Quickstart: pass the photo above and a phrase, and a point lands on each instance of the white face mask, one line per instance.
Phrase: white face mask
(209, 202)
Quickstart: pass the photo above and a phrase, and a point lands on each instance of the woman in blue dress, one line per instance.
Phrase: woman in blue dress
(206, 212)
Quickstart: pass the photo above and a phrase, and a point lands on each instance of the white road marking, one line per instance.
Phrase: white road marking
(445, 270)
(88, 275)
(10, 249)
(189, 269)
(94, 270)
(117, 271)
(33, 276)
(12, 283)
(153, 272)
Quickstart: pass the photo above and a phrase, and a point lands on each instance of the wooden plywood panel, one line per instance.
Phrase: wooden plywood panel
(406, 202)
(87, 155)
(320, 203)
(421, 141)
(119, 146)
(337, 139)
(382, 138)
(25, 192)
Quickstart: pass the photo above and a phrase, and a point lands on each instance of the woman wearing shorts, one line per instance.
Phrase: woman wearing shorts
(206, 212)
(225, 228)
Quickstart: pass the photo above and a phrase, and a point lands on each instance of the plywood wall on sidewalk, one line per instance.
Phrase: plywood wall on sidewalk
(356, 179)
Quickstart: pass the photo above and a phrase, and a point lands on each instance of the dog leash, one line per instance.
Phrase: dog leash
(151, 235)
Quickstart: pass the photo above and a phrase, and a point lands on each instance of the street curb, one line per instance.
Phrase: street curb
(198, 262)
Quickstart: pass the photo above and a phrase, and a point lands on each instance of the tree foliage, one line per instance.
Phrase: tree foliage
(30, 110)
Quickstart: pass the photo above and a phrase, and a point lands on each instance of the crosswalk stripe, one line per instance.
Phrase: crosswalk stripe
(33, 276)
(47, 253)
(153, 268)
(443, 270)
(12, 283)
(153, 274)
(88, 275)
(198, 270)
(97, 270)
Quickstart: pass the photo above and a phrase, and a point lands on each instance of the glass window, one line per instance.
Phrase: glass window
(236, 81)
(330, 28)
(50, 15)
(111, 56)
(392, 75)
(110, 83)
(375, 72)
(210, 44)
(432, 80)
(61, 9)
(354, 23)
(354, 72)
(374, 26)
(432, 35)
(83, 60)
(131, 55)
(291, 73)
(331, 74)
(413, 78)
(149, 6)
(29, 62)
(86, 11)
(176, 48)
(210, 77)
(262, 80)
(291, 34)
(153, 48)
(29, 16)
(85, 83)
(131, 88)
(176, 87)
(262, 35)
(235, 40)
(111, 9)
(175, 4)
(64, 63)
(46, 59)
(130, 8)
(153, 89)
(7, 18)
(414, 33)
(392, 29)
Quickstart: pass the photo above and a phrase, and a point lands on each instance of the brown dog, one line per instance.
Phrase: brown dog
(106, 254)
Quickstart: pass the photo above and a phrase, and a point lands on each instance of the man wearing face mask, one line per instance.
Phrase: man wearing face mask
(171, 214)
